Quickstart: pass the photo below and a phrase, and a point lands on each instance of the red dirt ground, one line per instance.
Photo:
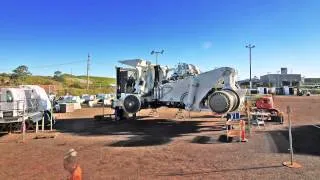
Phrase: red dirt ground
(167, 148)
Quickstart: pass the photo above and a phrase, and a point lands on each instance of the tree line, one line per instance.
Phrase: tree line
(20, 74)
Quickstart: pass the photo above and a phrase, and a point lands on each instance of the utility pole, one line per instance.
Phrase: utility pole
(88, 67)
(157, 53)
(278, 81)
(250, 47)
(156, 88)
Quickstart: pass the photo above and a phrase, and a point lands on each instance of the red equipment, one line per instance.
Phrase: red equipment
(265, 105)
(265, 102)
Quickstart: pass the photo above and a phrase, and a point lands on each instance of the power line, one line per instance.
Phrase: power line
(61, 64)
(49, 65)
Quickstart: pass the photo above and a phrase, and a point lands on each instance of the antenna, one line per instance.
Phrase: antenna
(156, 53)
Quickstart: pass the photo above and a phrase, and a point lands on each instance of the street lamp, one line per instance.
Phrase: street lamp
(250, 47)
(278, 83)
(156, 53)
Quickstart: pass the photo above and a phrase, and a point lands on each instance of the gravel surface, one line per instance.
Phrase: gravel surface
(165, 147)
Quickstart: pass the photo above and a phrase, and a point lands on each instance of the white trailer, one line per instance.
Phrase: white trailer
(26, 102)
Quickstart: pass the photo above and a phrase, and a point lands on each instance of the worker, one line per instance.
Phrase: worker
(70, 163)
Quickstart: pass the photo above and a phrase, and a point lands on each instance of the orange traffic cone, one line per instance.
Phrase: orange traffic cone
(243, 131)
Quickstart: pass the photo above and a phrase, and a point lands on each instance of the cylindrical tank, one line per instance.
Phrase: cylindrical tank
(131, 104)
(223, 101)
(272, 90)
(286, 90)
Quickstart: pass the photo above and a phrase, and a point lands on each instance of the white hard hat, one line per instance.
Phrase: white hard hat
(70, 153)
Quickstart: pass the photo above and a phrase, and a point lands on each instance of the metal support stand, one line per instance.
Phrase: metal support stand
(291, 163)
(42, 124)
(37, 126)
(51, 115)
(103, 109)
(23, 125)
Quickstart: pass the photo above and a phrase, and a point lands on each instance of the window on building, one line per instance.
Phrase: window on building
(9, 96)
(295, 83)
(285, 83)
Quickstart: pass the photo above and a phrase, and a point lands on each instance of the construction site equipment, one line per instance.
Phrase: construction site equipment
(68, 100)
(259, 118)
(26, 104)
(264, 110)
(66, 107)
(105, 99)
(236, 128)
(146, 85)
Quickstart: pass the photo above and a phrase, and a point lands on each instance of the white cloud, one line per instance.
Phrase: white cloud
(207, 45)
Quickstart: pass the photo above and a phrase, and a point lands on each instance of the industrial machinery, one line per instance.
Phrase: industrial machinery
(265, 105)
(26, 102)
(145, 85)
(105, 99)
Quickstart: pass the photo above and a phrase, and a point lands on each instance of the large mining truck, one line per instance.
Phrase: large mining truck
(144, 85)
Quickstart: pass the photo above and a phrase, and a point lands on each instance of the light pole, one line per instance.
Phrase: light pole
(250, 47)
(278, 83)
(156, 53)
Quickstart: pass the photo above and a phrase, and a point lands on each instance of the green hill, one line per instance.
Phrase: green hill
(66, 83)
(93, 80)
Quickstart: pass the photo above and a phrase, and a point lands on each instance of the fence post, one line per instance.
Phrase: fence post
(290, 164)
(290, 135)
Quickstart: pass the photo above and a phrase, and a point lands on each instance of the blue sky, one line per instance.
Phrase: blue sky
(207, 33)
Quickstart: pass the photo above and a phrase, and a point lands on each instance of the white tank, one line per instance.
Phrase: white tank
(272, 90)
(286, 90)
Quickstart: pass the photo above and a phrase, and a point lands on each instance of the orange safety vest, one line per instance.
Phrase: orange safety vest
(77, 174)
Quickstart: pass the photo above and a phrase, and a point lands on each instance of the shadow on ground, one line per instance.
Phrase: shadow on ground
(218, 171)
(145, 132)
(305, 140)
(207, 116)
(211, 139)
(3, 134)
